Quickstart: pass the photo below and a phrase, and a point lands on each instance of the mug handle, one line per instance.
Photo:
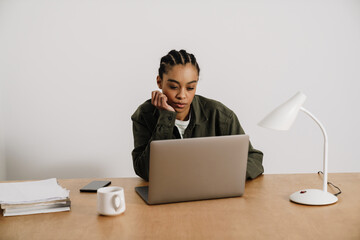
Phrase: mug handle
(116, 201)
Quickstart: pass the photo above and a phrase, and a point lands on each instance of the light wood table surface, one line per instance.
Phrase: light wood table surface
(264, 212)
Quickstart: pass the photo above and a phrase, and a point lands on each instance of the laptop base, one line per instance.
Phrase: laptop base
(143, 193)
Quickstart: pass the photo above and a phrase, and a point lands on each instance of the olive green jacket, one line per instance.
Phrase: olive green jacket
(208, 118)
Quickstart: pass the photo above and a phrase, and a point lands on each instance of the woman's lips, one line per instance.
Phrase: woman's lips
(179, 105)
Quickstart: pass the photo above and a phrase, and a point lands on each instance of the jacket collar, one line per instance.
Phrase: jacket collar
(198, 110)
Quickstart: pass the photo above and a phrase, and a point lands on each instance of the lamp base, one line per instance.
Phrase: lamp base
(313, 197)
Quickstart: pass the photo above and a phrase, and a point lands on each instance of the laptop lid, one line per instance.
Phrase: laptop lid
(197, 168)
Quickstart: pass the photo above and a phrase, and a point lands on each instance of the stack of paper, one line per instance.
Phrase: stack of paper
(33, 197)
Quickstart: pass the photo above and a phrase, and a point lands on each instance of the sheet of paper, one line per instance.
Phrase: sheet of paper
(36, 211)
(32, 192)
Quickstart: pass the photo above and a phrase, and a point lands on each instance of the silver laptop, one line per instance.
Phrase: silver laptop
(196, 169)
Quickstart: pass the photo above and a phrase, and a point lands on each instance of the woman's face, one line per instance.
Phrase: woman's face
(179, 86)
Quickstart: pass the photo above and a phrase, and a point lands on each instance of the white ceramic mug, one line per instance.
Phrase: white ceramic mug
(110, 201)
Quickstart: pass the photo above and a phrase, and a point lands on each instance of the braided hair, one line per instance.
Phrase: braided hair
(174, 58)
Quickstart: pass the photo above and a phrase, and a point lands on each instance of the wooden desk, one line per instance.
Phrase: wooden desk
(264, 212)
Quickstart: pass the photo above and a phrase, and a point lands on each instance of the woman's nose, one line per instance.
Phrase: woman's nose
(181, 94)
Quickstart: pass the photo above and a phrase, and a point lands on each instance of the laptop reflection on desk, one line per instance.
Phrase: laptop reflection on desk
(196, 169)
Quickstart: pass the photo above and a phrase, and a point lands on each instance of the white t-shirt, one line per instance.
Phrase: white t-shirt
(181, 126)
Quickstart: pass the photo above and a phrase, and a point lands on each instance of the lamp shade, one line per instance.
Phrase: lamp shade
(283, 116)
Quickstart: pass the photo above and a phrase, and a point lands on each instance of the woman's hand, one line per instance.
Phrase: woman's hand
(159, 100)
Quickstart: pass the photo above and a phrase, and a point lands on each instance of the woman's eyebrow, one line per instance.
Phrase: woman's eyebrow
(194, 81)
(174, 81)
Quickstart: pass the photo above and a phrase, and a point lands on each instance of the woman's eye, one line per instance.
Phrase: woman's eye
(190, 88)
(173, 87)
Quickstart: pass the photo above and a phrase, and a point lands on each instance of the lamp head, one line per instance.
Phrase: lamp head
(283, 116)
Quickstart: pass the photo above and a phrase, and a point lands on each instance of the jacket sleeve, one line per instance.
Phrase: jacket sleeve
(144, 133)
(255, 157)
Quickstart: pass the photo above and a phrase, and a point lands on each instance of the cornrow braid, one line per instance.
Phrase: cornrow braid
(174, 58)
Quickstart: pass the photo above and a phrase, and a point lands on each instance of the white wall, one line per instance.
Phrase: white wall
(73, 72)
(2, 144)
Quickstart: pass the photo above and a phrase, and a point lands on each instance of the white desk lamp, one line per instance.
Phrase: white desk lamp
(281, 119)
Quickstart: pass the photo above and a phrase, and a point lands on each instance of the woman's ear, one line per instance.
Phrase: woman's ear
(159, 82)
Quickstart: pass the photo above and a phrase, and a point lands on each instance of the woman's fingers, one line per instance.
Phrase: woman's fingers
(159, 100)
(155, 97)
(163, 101)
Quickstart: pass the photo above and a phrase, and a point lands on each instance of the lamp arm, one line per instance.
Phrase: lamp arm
(325, 162)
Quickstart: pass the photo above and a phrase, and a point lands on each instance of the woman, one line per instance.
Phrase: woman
(177, 112)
